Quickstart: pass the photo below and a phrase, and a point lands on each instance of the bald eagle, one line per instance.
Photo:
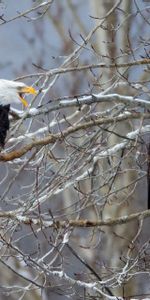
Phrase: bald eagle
(10, 92)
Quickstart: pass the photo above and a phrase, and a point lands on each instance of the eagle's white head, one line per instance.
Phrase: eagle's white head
(12, 92)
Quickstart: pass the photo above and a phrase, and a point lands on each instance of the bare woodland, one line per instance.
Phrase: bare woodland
(75, 170)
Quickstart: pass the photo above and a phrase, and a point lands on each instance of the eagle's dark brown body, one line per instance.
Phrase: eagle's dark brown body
(4, 123)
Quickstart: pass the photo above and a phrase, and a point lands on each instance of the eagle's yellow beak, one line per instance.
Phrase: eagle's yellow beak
(26, 90)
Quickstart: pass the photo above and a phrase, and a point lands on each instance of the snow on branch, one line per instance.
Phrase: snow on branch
(84, 223)
(129, 101)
